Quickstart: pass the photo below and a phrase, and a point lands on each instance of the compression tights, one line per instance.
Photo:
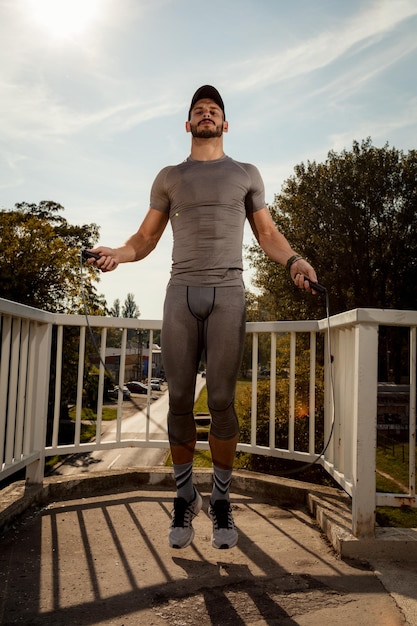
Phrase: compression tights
(197, 319)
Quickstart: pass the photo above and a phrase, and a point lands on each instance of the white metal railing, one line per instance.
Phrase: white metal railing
(31, 361)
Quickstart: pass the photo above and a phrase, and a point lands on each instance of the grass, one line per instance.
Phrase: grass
(202, 458)
(108, 414)
(392, 460)
(396, 517)
(200, 405)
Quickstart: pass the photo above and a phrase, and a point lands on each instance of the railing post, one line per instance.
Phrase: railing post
(37, 400)
(364, 421)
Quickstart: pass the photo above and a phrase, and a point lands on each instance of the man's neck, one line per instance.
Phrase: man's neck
(207, 149)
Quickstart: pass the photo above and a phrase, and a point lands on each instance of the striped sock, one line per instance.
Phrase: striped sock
(221, 483)
(184, 481)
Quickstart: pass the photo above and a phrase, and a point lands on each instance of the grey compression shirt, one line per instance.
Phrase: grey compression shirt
(208, 202)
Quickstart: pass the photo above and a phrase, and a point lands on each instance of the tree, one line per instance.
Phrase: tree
(40, 259)
(355, 218)
(130, 308)
(40, 267)
(115, 310)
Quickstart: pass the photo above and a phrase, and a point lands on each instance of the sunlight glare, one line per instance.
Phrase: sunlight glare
(64, 18)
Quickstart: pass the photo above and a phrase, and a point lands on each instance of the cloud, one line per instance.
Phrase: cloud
(354, 79)
(37, 110)
(363, 30)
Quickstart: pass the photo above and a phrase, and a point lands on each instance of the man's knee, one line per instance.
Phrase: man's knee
(180, 401)
(181, 428)
(224, 424)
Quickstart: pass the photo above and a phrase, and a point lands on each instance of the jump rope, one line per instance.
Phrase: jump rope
(320, 289)
(84, 256)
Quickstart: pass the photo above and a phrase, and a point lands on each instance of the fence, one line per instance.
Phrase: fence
(345, 348)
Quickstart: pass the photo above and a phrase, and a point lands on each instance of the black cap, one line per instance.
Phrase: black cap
(207, 91)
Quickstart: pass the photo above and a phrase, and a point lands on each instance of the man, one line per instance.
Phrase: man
(207, 199)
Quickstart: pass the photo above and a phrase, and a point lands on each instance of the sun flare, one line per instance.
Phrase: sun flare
(64, 18)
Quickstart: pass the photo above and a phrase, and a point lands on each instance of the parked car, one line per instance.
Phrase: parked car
(155, 384)
(114, 393)
(136, 387)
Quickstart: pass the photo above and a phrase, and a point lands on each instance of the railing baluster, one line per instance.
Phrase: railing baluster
(121, 383)
(101, 384)
(21, 391)
(312, 394)
(4, 380)
(412, 411)
(254, 405)
(291, 416)
(272, 390)
(58, 383)
(80, 384)
(12, 392)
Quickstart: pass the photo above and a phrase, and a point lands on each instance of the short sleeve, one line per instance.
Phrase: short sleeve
(159, 198)
(255, 198)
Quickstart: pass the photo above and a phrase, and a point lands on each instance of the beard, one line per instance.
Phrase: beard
(206, 133)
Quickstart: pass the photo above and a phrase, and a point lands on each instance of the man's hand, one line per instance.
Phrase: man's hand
(301, 269)
(108, 261)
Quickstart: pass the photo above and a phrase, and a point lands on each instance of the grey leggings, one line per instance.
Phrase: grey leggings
(197, 319)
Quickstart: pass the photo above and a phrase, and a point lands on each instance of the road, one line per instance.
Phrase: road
(133, 427)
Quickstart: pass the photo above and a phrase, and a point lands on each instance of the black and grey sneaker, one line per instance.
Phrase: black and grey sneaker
(181, 531)
(224, 530)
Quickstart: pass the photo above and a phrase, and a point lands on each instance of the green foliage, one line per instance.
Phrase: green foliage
(115, 311)
(243, 403)
(40, 267)
(281, 403)
(40, 262)
(355, 218)
(88, 431)
(130, 308)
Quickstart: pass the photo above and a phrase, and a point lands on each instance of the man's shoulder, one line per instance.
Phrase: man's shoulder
(248, 168)
(176, 167)
(169, 168)
(167, 172)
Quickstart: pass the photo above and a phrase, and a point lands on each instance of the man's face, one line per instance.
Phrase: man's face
(206, 120)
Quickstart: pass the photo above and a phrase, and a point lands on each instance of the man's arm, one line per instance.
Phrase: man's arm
(138, 246)
(276, 246)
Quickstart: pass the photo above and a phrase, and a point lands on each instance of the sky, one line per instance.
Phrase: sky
(94, 95)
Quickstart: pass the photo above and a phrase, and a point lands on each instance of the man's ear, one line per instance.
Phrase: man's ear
(188, 127)
(225, 126)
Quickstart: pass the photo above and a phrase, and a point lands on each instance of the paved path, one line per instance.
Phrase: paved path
(282, 572)
(102, 558)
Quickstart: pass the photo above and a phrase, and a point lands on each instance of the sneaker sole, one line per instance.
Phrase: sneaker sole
(223, 546)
